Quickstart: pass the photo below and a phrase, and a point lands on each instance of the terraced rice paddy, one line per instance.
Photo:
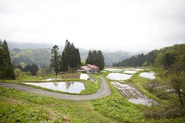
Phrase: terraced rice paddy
(81, 76)
(130, 71)
(149, 75)
(118, 76)
(132, 94)
(70, 87)
(113, 69)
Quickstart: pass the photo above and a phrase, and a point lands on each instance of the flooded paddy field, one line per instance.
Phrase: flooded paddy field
(70, 87)
(132, 94)
(82, 76)
(118, 76)
(149, 75)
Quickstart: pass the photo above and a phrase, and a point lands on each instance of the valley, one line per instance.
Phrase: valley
(130, 95)
(92, 61)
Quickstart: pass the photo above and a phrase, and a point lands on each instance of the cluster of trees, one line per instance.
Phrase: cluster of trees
(96, 58)
(6, 67)
(29, 68)
(69, 61)
(174, 62)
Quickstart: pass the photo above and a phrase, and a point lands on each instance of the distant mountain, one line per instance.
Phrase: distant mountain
(41, 57)
(39, 54)
(13, 45)
(115, 57)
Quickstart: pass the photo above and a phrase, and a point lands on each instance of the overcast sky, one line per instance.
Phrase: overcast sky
(110, 25)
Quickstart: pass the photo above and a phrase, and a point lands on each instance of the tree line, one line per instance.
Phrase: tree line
(164, 57)
(6, 67)
(139, 60)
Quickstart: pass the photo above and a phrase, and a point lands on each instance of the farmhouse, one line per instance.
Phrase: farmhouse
(89, 69)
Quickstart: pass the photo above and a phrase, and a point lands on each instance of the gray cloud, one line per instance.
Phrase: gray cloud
(128, 25)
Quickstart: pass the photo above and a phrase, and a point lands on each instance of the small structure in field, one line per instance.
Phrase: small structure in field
(89, 69)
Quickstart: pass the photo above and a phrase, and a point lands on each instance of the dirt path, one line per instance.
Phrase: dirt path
(102, 92)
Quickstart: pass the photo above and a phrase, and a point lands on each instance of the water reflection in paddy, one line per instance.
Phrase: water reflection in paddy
(118, 76)
(70, 87)
(84, 76)
(70, 76)
(75, 76)
(113, 69)
(130, 71)
(149, 75)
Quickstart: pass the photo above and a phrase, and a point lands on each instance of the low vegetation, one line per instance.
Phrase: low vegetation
(117, 107)
(91, 87)
(16, 106)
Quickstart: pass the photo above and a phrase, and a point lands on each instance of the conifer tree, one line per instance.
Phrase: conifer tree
(96, 58)
(70, 59)
(55, 59)
(6, 67)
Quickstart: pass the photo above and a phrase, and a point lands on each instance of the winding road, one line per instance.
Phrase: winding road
(102, 92)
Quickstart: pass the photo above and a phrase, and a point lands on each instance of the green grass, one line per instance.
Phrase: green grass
(117, 107)
(16, 106)
(91, 87)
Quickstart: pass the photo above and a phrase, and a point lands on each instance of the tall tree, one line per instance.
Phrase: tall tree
(70, 59)
(55, 59)
(101, 60)
(176, 71)
(1, 60)
(89, 58)
(6, 67)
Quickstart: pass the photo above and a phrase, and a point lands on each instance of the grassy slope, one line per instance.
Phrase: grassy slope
(115, 106)
(18, 106)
